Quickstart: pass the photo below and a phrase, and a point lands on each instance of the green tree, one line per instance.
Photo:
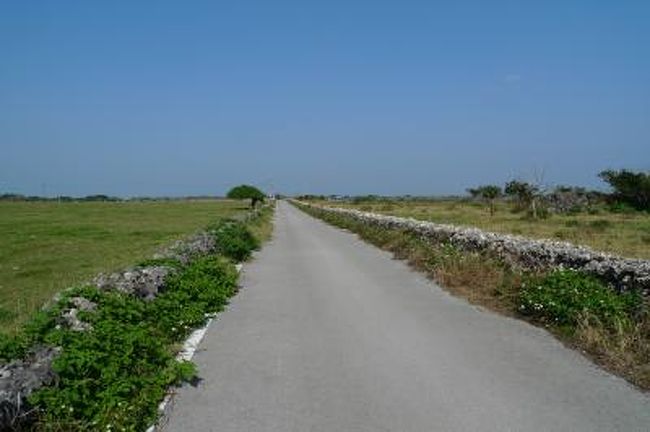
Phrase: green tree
(247, 192)
(630, 187)
(526, 195)
(489, 193)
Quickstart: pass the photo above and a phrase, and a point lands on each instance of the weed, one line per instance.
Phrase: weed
(564, 296)
(600, 224)
(164, 262)
(116, 373)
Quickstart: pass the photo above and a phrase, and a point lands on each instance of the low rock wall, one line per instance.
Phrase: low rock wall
(623, 274)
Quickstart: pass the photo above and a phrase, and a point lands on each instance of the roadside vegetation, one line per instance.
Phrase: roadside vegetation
(112, 376)
(612, 328)
(46, 246)
(616, 222)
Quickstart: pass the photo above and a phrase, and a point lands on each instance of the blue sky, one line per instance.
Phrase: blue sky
(421, 97)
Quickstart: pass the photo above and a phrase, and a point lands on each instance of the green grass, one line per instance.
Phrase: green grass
(46, 247)
(626, 234)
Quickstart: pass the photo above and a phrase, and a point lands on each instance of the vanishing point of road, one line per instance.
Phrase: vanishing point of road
(331, 334)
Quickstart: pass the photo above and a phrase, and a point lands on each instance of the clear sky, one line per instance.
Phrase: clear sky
(421, 97)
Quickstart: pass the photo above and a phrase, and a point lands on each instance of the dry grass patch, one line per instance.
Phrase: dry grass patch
(624, 349)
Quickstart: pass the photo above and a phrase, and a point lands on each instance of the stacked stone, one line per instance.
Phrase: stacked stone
(622, 274)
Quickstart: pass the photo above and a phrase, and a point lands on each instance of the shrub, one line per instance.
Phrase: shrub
(185, 301)
(564, 296)
(632, 188)
(527, 197)
(523, 193)
(234, 240)
(621, 207)
(6, 315)
(110, 377)
(114, 376)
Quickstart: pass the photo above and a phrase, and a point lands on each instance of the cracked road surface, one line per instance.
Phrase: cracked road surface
(331, 334)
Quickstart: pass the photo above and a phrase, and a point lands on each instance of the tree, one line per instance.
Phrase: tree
(489, 193)
(630, 187)
(526, 195)
(474, 192)
(247, 192)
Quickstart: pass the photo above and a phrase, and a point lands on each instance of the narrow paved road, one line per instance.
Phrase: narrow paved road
(331, 334)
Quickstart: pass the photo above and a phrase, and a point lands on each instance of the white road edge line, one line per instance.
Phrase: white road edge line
(189, 348)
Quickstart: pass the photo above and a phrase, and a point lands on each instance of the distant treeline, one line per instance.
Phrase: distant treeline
(378, 198)
(630, 190)
(97, 198)
(19, 197)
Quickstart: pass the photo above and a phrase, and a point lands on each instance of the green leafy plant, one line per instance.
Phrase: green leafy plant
(564, 296)
(114, 375)
(489, 193)
(203, 288)
(234, 240)
(632, 188)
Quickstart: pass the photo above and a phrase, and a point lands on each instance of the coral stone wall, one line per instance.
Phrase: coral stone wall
(623, 274)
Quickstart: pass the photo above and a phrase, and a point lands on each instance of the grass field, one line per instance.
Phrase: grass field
(626, 234)
(47, 246)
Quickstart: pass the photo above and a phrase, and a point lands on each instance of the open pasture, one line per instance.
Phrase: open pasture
(48, 246)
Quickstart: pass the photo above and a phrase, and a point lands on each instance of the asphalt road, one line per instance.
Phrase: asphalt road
(331, 334)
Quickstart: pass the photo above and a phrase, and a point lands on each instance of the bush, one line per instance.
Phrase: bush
(114, 376)
(563, 297)
(632, 188)
(185, 301)
(234, 240)
(621, 207)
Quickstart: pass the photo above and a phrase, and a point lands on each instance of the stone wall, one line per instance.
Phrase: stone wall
(622, 274)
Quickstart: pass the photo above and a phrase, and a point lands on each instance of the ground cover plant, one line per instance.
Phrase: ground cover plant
(113, 375)
(623, 233)
(47, 246)
(234, 239)
(613, 329)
